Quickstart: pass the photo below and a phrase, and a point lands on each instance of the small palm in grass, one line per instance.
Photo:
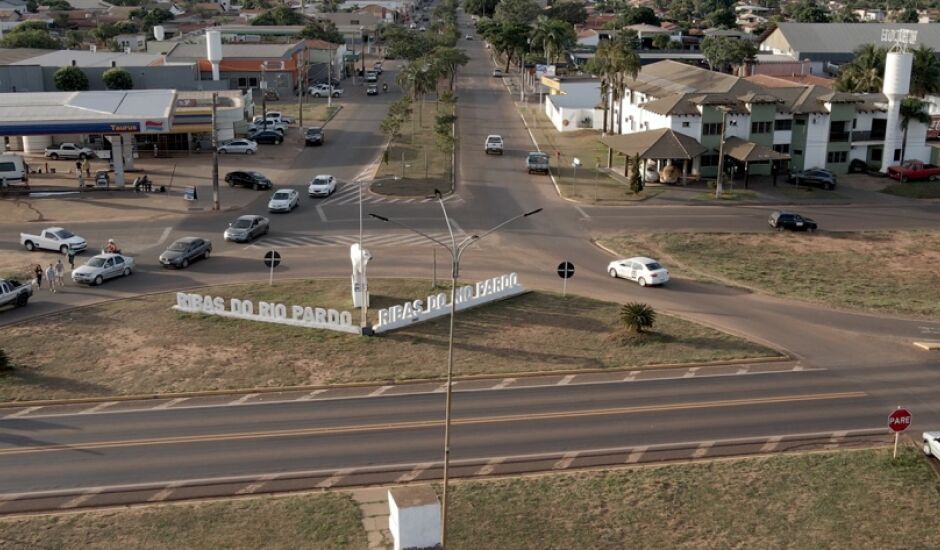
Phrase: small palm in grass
(637, 317)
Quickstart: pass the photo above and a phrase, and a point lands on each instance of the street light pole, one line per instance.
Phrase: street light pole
(215, 154)
(456, 251)
(721, 153)
(362, 292)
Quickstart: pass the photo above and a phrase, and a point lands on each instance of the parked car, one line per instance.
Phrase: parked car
(322, 186)
(323, 90)
(859, 166)
(12, 170)
(314, 136)
(245, 146)
(469, 37)
(645, 271)
(931, 444)
(269, 124)
(14, 293)
(185, 251)
(284, 200)
(255, 180)
(493, 144)
(246, 228)
(780, 220)
(372, 89)
(815, 177)
(497, 73)
(267, 137)
(101, 267)
(54, 238)
(278, 116)
(68, 151)
(912, 170)
(536, 162)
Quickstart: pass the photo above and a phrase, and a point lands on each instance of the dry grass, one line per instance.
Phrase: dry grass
(892, 272)
(914, 189)
(857, 499)
(315, 110)
(426, 166)
(322, 521)
(153, 349)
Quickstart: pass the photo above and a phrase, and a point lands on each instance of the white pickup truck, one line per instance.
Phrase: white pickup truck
(493, 144)
(14, 293)
(69, 151)
(54, 238)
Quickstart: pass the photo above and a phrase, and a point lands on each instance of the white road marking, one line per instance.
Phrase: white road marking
(244, 398)
(80, 499)
(164, 235)
(252, 488)
(23, 412)
(414, 473)
(171, 403)
(702, 449)
(321, 213)
(98, 407)
(929, 330)
(636, 454)
(165, 493)
(632, 376)
(743, 370)
(489, 467)
(337, 476)
(836, 439)
(691, 372)
(565, 462)
(565, 381)
(581, 210)
(798, 367)
(380, 391)
(504, 383)
(311, 395)
(771, 444)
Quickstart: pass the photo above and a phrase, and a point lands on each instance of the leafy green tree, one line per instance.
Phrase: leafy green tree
(908, 15)
(722, 18)
(636, 175)
(149, 18)
(402, 43)
(281, 15)
(448, 60)
(32, 6)
(915, 109)
(443, 124)
(398, 112)
(553, 36)
(517, 12)
(662, 41)
(255, 4)
(722, 52)
(681, 10)
(32, 34)
(845, 15)
(117, 78)
(642, 15)
(637, 317)
(864, 74)
(569, 10)
(322, 30)
(70, 79)
(925, 77)
(56, 5)
(807, 11)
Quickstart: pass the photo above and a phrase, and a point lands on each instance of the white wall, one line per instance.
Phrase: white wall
(863, 121)
(817, 141)
(694, 129)
(588, 93)
(738, 126)
(916, 142)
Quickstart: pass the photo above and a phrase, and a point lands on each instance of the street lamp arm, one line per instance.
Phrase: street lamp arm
(413, 230)
(474, 238)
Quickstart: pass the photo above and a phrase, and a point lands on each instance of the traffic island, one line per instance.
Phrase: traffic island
(153, 349)
(418, 159)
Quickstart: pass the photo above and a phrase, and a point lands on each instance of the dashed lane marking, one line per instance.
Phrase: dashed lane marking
(565, 462)
(311, 395)
(771, 444)
(24, 412)
(337, 476)
(702, 449)
(691, 372)
(636, 454)
(171, 403)
(566, 380)
(80, 499)
(632, 376)
(489, 467)
(243, 399)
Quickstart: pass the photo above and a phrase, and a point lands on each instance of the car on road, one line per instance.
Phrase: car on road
(255, 180)
(372, 76)
(493, 144)
(817, 177)
(246, 228)
(278, 116)
(372, 89)
(185, 251)
(781, 220)
(931, 444)
(245, 146)
(267, 137)
(68, 151)
(54, 238)
(645, 271)
(284, 200)
(536, 161)
(323, 90)
(497, 73)
(322, 186)
(102, 267)
(469, 37)
(314, 136)
(14, 293)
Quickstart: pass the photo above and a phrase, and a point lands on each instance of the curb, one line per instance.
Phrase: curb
(336, 111)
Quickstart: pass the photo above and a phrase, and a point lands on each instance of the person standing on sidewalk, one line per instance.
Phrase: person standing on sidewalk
(60, 273)
(86, 166)
(50, 276)
(38, 272)
(71, 259)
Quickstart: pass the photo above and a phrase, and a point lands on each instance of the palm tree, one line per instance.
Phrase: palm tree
(614, 62)
(419, 78)
(865, 73)
(925, 78)
(911, 109)
(553, 36)
(637, 317)
(628, 66)
(599, 67)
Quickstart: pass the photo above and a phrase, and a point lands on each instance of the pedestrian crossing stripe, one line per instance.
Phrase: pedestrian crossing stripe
(349, 194)
(384, 239)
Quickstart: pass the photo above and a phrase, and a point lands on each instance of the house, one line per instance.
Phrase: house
(134, 42)
(572, 103)
(353, 25)
(384, 11)
(90, 5)
(870, 15)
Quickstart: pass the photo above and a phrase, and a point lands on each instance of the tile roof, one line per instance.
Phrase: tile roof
(662, 143)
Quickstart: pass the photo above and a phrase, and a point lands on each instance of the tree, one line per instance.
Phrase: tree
(617, 62)
(448, 60)
(914, 109)
(5, 364)
(662, 41)
(864, 74)
(509, 39)
(419, 78)
(397, 113)
(32, 34)
(722, 18)
(517, 12)
(553, 36)
(402, 43)
(845, 15)
(681, 10)
(925, 77)
(56, 5)
(149, 18)
(569, 11)
(636, 175)
(807, 11)
(721, 52)
(281, 15)
(322, 30)
(443, 124)
(908, 15)
(117, 78)
(642, 15)
(70, 79)
(637, 317)
(481, 8)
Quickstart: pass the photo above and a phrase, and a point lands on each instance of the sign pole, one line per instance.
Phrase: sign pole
(897, 435)
(271, 276)
(564, 287)
(899, 420)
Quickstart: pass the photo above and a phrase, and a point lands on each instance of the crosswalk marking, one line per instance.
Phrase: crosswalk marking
(349, 194)
(384, 239)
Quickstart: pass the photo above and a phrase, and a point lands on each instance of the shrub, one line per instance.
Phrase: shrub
(637, 317)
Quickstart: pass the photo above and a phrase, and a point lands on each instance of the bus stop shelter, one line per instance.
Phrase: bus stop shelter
(662, 144)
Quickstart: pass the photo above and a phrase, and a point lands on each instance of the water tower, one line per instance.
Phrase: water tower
(214, 51)
(896, 85)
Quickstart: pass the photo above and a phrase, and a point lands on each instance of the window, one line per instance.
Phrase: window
(897, 154)
(783, 124)
(253, 82)
(837, 156)
(242, 82)
(711, 129)
(798, 152)
(761, 127)
(799, 121)
(782, 148)
(685, 124)
(875, 154)
(710, 159)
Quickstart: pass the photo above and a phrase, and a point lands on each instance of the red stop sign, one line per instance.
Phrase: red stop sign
(899, 420)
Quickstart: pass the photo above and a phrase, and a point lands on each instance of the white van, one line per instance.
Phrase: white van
(12, 170)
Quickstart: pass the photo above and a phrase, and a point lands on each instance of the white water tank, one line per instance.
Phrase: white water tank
(159, 32)
(897, 80)
(213, 46)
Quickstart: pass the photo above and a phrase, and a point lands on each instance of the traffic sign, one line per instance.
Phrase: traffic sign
(272, 258)
(899, 420)
(566, 270)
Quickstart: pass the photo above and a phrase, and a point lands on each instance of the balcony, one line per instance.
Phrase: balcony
(838, 136)
(868, 136)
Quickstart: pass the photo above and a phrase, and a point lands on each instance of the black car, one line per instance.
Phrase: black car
(792, 221)
(269, 137)
(185, 251)
(313, 136)
(254, 180)
(816, 176)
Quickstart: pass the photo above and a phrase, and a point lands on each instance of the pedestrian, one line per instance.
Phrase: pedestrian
(38, 272)
(60, 273)
(78, 167)
(50, 276)
(71, 259)
(86, 166)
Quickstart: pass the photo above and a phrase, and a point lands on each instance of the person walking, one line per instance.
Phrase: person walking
(60, 273)
(71, 259)
(50, 276)
(86, 166)
(38, 272)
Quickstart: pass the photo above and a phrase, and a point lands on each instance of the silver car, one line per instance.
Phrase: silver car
(322, 186)
(246, 228)
(102, 267)
(245, 146)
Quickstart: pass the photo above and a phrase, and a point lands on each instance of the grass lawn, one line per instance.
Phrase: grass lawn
(322, 521)
(851, 499)
(915, 189)
(155, 349)
(416, 158)
(315, 110)
(840, 269)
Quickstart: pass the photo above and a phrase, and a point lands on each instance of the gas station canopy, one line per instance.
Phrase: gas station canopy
(100, 112)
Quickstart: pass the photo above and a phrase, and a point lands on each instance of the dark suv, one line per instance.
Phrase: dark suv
(792, 221)
(254, 180)
(816, 176)
(313, 136)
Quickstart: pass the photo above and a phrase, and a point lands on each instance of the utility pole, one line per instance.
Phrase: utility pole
(329, 76)
(721, 153)
(215, 154)
(302, 77)
(264, 95)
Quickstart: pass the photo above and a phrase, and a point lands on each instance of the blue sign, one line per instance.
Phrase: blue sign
(45, 129)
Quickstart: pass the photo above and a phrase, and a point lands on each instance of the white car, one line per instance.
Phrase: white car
(469, 37)
(932, 444)
(322, 186)
(245, 146)
(284, 200)
(103, 266)
(276, 115)
(54, 238)
(323, 90)
(269, 124)
(645, 271)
